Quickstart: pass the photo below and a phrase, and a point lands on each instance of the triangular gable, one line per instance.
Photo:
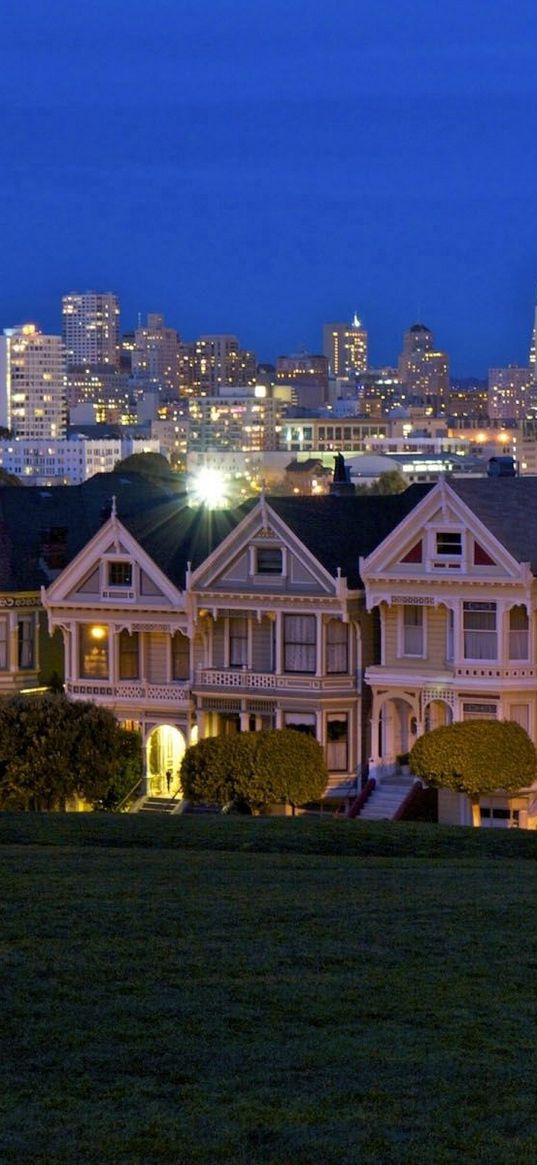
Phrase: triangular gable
(425, 543)
(111, 539)
(230, 565)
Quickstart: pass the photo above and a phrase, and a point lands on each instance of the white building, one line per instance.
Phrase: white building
(32, 383)
(71, 460)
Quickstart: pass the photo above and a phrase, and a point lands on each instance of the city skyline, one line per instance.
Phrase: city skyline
(262, 171)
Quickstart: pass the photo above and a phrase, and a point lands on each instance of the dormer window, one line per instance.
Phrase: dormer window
(119, 574)
(449, 543)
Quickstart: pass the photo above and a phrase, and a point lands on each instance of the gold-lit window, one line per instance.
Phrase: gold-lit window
(94, 654)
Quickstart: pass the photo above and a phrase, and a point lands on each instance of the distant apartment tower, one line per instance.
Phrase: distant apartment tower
(155, 355)
(509, 393)
(91, 327)
(244, 420)
(214, 361)
(345, 348)
(533, 349)
(32, 383)
(423, 370)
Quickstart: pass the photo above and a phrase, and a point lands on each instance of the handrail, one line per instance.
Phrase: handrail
(410, 797)
(355, 809)
(128, 795)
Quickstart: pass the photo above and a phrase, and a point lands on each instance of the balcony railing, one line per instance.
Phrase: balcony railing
(240, 679)
(127, 691)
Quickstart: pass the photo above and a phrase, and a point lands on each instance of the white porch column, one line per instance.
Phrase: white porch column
(278, 660)
(13, 642)
(319, 661)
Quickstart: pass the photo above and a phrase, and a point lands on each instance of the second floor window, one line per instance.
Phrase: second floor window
(337, 647)
(129, 656)
(180, 656)
(3, 645)
(518, 633)
(238, 642)
(93, 642)
(26, 641)
(479, 628)
(300, 644)
(412, 629)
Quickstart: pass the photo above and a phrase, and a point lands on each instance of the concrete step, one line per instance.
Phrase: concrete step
(159, 805)
(385, 800)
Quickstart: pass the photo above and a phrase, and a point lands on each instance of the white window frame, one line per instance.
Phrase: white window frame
(402, 626)
(470, 607)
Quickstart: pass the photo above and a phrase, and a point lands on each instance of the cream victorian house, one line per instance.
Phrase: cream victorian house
(455, 587)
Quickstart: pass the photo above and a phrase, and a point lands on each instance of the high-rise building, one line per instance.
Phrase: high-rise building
(91, 327)
(212, 362)
(345, 348)
(155, 355)
(423, 370)
(32, 383)
(509, 393)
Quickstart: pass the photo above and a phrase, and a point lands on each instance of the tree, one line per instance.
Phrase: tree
(391, 482)
(53, 749)
(257, 768)
(476, 757)
(154, 466)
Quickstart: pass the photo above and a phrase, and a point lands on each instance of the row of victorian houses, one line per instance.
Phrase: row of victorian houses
(363, 620)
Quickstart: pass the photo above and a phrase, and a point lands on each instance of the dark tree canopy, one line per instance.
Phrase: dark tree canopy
(151, 465)
(257, 768)
(476, 757)
(52, 749)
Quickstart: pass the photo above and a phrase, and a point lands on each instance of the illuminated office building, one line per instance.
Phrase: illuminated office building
(32, 383)
(91, 327)
(345, 348)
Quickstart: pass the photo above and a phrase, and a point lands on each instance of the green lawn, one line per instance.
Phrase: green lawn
(237, 991)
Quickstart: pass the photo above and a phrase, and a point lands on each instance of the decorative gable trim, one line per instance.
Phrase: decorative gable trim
(260, 526)
(110, 541)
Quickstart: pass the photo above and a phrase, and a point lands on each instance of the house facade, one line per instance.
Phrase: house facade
(186, 628)
(455, 589)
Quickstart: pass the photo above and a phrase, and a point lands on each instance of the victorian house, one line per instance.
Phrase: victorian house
(188, 623)
(455, 588)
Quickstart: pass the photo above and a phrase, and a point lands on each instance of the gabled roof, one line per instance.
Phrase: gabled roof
(508, 507)
(337, 530)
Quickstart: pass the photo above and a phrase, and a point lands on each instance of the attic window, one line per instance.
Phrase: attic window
(269, 560)
(119, 574)
(449, 542)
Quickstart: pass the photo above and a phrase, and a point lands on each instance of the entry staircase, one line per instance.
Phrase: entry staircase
(156, 805)
(386, 801)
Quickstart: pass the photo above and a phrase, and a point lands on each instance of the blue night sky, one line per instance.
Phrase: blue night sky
(261, 167)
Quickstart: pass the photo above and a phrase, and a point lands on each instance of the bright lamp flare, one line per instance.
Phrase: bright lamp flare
(209, 488)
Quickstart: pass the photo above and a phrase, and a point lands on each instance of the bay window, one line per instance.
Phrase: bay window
(300, 643)
(480, 631)
(337, 734)
(412, 629)
(337, 647)
(129, 667)
(93, 651)
(238, 641)
(518, 633)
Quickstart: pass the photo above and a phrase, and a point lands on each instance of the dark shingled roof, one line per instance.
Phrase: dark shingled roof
(507, 506)
(337, 530)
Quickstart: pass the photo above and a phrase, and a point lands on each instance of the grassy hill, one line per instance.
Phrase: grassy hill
(266, 992)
